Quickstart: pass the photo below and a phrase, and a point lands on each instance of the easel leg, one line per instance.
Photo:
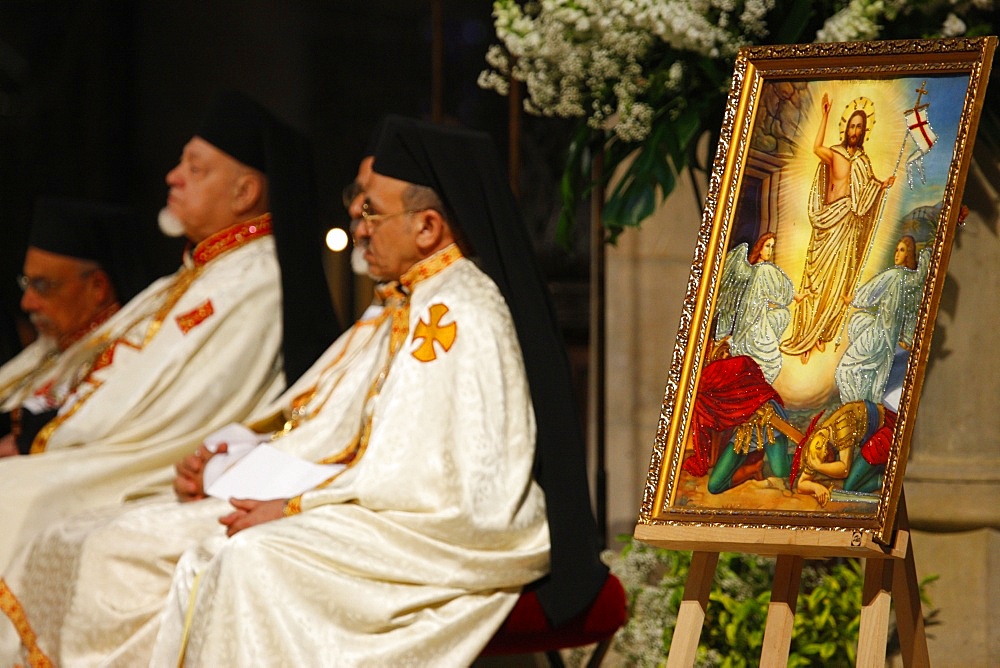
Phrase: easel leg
(691, 614)
(875, 604)
(894, 575)
(909, 615)
(781, 611)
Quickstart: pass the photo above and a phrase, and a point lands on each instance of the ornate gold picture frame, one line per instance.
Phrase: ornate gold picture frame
(807, 321)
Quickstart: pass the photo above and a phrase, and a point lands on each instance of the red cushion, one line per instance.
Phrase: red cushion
(526, 630)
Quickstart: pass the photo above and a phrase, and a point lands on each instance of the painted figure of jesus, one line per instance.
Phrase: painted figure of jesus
(844, 205)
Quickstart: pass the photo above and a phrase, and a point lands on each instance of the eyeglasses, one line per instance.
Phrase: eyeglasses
(373, 218)
(43, 287)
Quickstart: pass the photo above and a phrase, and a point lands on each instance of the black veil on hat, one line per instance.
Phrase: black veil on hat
(102, 232)
(242, 128)
(462, 166)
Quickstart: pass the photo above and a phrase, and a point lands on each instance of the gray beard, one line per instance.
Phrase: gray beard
(170, 224)
(358, 263)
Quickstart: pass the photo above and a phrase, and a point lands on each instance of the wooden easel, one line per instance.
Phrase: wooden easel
(888, 573)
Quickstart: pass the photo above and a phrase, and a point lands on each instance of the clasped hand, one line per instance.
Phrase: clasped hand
(250, 512)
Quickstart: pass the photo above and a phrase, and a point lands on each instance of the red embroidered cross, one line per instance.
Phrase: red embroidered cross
(921, 125)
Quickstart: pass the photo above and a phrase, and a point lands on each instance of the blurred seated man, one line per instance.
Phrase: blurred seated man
(84, 260)
(434, 411)
(248, 309)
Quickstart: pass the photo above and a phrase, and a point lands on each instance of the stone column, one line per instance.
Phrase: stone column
(647, 274)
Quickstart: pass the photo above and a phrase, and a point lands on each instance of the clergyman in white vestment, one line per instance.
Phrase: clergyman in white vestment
(419, 548)
(83, 261)
(193, 351)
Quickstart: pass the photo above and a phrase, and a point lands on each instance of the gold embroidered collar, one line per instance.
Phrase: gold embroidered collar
(231, 238)
(430, 266)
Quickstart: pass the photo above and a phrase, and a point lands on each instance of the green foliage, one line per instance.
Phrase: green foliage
(827, 617)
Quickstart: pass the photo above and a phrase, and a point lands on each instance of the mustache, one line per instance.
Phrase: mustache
(44, 327)
(40, 321)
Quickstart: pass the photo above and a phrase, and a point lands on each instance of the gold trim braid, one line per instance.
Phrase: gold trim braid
(14, 611)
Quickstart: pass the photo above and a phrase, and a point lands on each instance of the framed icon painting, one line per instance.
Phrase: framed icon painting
(811, 302)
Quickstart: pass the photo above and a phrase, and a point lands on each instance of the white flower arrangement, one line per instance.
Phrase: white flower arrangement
(859, 20)
(588, 58)
(654, 74)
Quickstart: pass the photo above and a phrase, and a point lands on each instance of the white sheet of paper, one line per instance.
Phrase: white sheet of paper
(267, 473)
(239, 440)
(234, 434)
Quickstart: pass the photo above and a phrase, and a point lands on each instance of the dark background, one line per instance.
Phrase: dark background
(97, 98)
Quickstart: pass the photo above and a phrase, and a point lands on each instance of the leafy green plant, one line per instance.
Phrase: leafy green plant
(827, 616)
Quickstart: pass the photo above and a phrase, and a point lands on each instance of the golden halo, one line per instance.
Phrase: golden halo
(865, 105)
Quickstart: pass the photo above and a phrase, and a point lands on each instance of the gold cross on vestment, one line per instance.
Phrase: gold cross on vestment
(434, 331)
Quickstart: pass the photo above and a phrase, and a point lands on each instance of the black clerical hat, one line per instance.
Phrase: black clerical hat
(463, 167)
(236, 124)
(105, 233)
(242, 128)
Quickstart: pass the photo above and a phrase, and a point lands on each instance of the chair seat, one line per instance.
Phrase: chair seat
(527, 631)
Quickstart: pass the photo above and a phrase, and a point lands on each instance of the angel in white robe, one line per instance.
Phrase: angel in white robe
(886, 321)
(753, 304)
